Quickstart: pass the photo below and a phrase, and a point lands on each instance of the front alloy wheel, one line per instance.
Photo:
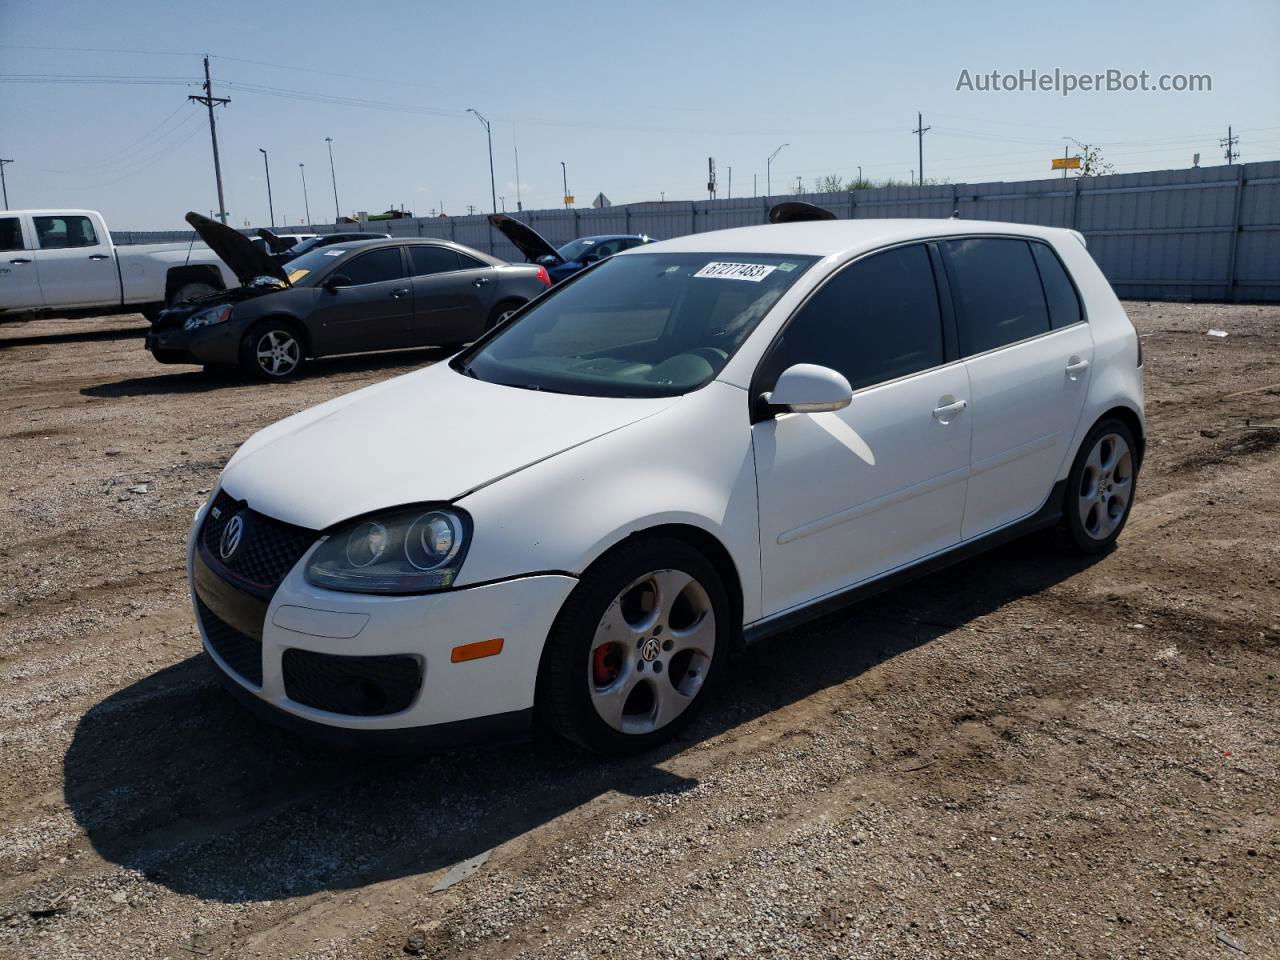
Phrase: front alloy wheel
(636, 647)
(274, 353)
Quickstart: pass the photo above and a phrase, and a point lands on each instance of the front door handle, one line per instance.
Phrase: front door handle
(480, 281)
(20, 260)
(97, 256)
(1076, 366)
(948, 409)
(400, 293)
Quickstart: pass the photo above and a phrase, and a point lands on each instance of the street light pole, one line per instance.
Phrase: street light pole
(564, 172)
(768, 171)
(306, 204)
(270, 206)
(493, 184)
(3, 188)
(337, 213)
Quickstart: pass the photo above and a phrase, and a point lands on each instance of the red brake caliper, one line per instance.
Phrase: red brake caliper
(604, 664)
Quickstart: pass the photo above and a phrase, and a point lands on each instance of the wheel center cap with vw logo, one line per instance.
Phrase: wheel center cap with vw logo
(652, 647)
(232, 534)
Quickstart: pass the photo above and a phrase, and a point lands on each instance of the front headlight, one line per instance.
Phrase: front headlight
(206, 318)
(408, 550)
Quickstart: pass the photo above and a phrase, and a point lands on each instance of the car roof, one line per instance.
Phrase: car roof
(612, 236)
(824, 238)
(423, 242)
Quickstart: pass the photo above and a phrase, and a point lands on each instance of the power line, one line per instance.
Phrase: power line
(1230, 142)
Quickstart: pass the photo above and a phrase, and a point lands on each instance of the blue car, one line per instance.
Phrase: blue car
(573, 256)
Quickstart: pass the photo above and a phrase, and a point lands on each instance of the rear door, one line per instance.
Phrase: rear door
(19, 281)
(1028, 351)
(848, 496)
(371, 311)
(76, 266)
(451, 295)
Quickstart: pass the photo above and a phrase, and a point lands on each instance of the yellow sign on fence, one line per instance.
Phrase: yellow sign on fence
(1065, 163)
(568, 199)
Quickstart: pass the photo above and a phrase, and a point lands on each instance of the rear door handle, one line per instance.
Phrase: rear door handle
(480, 281)
(399, 294)
(20, 260)
(945, 411)
(97, 256)
(1076, 366)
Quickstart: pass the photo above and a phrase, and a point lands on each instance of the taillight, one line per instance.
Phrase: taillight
(543, 277)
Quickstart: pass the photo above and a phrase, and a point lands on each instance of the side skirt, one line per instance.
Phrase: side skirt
(1045, 517)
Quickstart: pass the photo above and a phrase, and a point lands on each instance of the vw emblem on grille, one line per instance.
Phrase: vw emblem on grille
(231, 536)
(651, 649)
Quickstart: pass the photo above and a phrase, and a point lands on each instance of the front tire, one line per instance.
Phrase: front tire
(273, 350)
(636, 648)
(1101, 487)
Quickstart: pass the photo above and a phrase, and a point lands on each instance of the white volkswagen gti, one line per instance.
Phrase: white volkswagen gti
(689, 446)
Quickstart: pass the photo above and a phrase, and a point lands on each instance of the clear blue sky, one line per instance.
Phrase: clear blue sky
(633, 96)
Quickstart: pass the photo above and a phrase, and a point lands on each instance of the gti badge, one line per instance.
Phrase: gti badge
(231, 536)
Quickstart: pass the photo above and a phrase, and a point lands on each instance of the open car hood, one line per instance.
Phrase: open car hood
(274, 244)
(527, 240)
(233, 248)
(798, 211)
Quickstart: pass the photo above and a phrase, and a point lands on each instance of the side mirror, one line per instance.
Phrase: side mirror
(809, 388)
(337, 280)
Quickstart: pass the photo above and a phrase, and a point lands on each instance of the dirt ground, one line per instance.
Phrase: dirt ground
(1023, 756)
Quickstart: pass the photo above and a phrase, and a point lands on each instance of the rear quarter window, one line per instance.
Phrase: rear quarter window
(1059, 293)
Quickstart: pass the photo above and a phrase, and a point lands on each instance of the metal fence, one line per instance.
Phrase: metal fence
(1207, 233)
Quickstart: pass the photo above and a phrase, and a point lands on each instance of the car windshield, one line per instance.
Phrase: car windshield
(577, 249)
(302, 270)
(303, 246)
(640, 325)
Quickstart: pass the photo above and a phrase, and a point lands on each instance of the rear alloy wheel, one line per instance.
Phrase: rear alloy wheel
(502, 312)
(272, 351)
(1100, 487)
(635, 648)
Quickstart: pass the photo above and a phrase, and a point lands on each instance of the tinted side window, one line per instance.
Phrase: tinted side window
(10, 234)
(998, 291)
(374, 267)
(56, 233)
(470, 263)
(1064, 305)
(876, 320)
(428, 260)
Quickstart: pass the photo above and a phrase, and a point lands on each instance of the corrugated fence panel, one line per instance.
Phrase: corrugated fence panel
(1209, 233)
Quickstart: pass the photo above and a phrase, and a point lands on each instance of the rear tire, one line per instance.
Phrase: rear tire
(193, 290)
(501, 312)
(273, 350)
(1100, 488)
(636, 648)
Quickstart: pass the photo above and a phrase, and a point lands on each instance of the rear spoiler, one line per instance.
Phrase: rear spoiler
(798, 211)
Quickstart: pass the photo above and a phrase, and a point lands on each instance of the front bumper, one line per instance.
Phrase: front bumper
(216, 344)
(349, 650)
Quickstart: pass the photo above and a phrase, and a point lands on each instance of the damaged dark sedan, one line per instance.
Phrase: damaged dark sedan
(343, 298)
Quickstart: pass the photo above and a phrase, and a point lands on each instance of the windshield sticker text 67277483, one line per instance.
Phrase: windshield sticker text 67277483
(752, 272)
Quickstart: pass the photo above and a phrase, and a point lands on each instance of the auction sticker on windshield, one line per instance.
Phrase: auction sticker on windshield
(752, 272)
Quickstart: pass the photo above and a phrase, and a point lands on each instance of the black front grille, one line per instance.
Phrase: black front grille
(355, 686)
(267, 551)
(239, 651)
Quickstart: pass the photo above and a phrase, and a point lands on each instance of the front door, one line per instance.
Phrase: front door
(76, 264)
(372, 309)
(19, 281)
(848, 496)
(451, 295)
(1028, 352)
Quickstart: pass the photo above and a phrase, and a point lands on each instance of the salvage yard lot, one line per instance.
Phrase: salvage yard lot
(1026, 755)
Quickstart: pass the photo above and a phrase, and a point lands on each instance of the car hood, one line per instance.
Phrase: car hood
(431, 435)
(527, 240)
(234, 249)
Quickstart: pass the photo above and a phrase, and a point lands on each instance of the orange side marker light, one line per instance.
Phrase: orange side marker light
(477, 650)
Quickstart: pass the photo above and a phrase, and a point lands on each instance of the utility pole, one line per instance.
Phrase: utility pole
(516, 147)
(768, 171)
(270, 206)
(3, 187)
(859, 174)
(799, 187)
(306, 204)
(493, 184)
(1231, 154)
(920, 131)
(337, 213)
(564, 172)
(728, 194)
(711, 178)
(755, 191)
(209, 100)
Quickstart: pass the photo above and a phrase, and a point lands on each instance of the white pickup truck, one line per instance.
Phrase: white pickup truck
(63, 262)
